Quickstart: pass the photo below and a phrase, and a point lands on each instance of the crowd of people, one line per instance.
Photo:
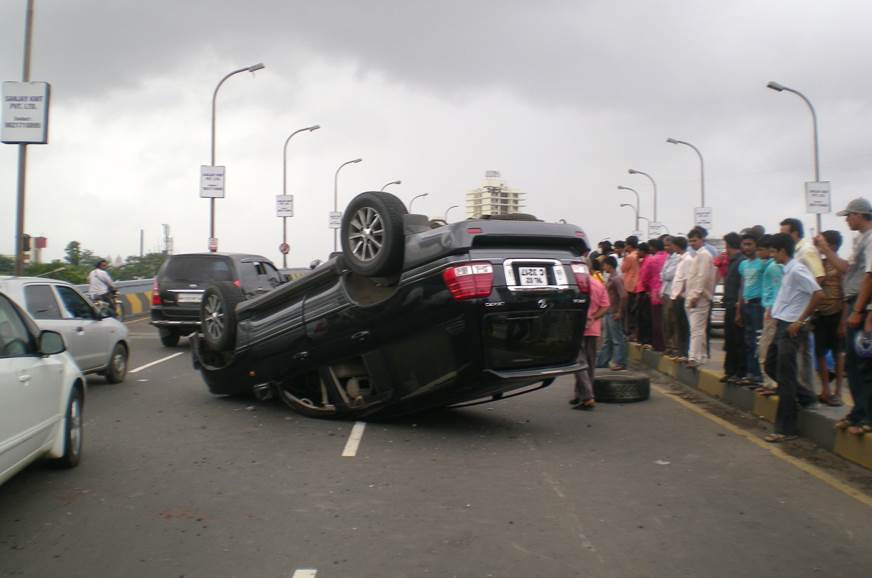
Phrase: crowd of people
(795, 312)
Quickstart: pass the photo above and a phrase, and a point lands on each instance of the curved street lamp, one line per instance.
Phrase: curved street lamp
(817, 177)
(386, 185)
(653, 182)
(336, 199)
(314, 127)
(635, 212)
(447, 211)
(623, 188)
(701, 167)
(251, 68)
(416, 197)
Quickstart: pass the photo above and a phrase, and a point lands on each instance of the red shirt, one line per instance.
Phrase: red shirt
(599, 299)
(649, 276)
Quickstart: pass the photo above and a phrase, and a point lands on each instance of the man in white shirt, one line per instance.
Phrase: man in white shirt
(699, 289)
(100, 284)
(677, 294)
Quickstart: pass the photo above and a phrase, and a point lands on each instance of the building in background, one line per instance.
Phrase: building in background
(493, 197)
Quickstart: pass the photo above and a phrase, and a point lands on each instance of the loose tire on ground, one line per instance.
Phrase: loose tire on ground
(117, 369)
(621, 386)
(218, 315)
(373, 240)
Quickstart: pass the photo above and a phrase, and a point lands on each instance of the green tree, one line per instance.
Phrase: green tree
(7, 265)
(73, 253)
(58, 269)
(136, 267)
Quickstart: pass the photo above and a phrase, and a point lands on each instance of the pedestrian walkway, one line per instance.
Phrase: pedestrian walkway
(814, 424)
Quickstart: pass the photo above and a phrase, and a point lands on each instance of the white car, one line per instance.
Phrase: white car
(97, 343)
(41, 395)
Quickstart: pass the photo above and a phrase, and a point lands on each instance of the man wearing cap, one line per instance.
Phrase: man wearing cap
(857, 285)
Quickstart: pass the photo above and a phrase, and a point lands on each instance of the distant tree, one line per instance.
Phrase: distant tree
(73, 253)
(138, 267)
(58, 270)
(7, 265)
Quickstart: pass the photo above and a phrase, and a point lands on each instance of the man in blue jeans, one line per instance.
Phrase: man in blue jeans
(614, 350)
(749, 310)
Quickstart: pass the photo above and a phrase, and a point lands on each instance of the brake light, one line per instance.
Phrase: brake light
(582, 277)
(155, 293)
(238, 284)
(469, 281)
(474, 230)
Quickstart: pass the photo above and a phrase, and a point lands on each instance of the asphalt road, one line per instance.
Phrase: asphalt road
(176, 482)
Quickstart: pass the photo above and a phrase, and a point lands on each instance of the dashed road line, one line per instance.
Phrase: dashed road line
(771, 448)
(305, 573)
(153, 363)
(354, 440)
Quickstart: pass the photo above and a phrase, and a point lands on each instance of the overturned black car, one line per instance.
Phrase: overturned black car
(408, 317)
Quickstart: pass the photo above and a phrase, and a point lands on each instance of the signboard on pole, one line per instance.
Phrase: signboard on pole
(656, 229)
(817, 197)
(284, 248)
(211, 182)
(284, 205)
(213, 244)
(25, 113)
(702, 217)
(335, 220)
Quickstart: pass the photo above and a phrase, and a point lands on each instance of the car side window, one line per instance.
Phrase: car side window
(75, 305)
(274, 277)
(15, 339)
(41, 302)
(248, 276)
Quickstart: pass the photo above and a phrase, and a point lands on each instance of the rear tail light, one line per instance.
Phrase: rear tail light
(155, 293)
(582, 277)
(469, 281)
(238, 284)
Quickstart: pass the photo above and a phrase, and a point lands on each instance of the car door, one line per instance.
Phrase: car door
(41, 302)
(30, 390)
(84, 335)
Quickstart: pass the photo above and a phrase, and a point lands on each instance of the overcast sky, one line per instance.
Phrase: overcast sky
(561, 97)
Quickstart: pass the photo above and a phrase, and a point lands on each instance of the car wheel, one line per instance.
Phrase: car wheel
(373, 240)
(621, 386)
(117, 364)
(218, 315)
(169, 338)
(72, 432)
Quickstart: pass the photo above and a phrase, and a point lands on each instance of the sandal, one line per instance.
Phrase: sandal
(828, 400)
(843, 424)
(587, 405)
(836, 401)
(766, 391)
(859, 430)
(777, 438)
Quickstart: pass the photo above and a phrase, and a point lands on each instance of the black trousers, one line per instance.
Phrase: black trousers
(682, 332)
(734, 342)
(782, 366)
(643, 319)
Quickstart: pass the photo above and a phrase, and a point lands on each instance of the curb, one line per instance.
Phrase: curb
(813, 425)
(135, 304)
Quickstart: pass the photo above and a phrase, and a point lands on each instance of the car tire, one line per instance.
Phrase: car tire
(621, 386)
(218, 315)
(73, 429)
(367, 249)
(117, 369)
(169, 338)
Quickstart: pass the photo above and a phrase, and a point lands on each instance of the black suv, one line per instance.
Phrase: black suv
(180, 282)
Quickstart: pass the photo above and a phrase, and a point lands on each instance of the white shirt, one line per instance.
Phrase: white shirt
(797, 287)
(99, 283)
(701, 277)
(679, 282)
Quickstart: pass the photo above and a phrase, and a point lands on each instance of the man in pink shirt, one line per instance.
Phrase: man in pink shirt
(652, 285)
(598, 307)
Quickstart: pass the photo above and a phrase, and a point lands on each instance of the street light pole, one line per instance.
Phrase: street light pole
(817, 169)
(636, 212)
(285, 185)
(22, 149)
(336, 199)
(623, 188)
(449, 209)
(416, 197)
(386, 185)
(701, 167)
(251, 68)
(653, 182)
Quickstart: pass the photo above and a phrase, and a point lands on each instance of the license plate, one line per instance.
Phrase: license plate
(533, 276)
(189, 297)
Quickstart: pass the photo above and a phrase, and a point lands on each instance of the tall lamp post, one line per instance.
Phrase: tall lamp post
(312, 128)
(251, 68)
(817, 177)
(701, 168)
(386, 185)
(416, 197)
(653, 182)
(623, 188)
(635, 212)
(449, 210)
(336, 199)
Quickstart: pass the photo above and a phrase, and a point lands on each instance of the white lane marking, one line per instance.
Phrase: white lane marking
(147, 365)
(305, 573)
(353, 440)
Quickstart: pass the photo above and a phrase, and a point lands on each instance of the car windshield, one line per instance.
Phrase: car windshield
(196, 269)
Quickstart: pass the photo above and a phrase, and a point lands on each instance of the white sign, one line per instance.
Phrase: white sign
(213, 244)
(656, 229)
(25, 113)
(335, 220)
(817, 197)
(211, 182)
(702, 217)
(284, 205)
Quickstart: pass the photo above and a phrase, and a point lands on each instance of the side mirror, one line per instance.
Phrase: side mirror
(51, 343)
